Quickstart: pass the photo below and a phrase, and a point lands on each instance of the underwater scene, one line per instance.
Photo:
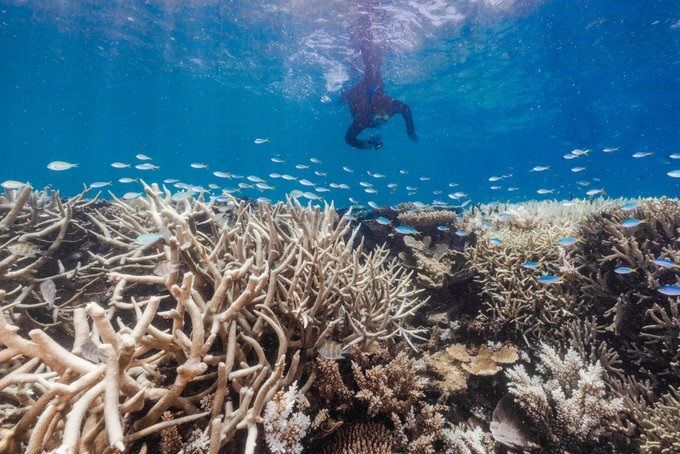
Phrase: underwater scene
(339, 226)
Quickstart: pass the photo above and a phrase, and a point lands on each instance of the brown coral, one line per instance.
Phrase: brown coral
(661, 425)
(362, 438)
(436, 265)
(426, 218)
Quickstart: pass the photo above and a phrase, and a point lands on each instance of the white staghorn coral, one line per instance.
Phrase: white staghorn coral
(569, 401)
(283, 428)
(461, 440)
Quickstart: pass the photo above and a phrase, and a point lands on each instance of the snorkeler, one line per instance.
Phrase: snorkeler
(368, 103)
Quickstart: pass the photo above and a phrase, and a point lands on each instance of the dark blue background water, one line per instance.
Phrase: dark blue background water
(498, 92)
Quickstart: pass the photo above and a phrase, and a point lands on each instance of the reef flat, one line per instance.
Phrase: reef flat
(163, 325)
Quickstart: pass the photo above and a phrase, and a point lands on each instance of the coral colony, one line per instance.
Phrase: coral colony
(161, 324)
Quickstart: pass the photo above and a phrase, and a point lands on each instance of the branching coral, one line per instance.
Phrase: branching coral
(362, 438)
(206, 299)
(285, 429)
(661, 425)
(568, 402)
(436, 265)
(515, 302)
(641, 319)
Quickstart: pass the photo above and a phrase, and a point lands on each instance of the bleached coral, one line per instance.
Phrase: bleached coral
(463, 440)
(284, 429)
(568, 401)
(661, 425)
(435, 264)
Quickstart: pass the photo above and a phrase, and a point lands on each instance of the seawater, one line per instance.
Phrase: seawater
(496, 87)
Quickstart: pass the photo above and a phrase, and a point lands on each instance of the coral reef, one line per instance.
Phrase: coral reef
(427, 218)
(436, 266)
(362, 438)
(230, 300)
(568, 402)
(661, 425)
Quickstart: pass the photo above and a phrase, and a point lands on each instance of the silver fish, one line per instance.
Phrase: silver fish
(49, 292)
(60, 165)
(90, 352)
(331, 350)
(23, 249)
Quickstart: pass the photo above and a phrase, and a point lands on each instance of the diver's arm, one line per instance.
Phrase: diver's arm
(352, 140)
(405, 111)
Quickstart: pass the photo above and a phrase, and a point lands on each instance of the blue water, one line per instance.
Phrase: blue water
(496, 87)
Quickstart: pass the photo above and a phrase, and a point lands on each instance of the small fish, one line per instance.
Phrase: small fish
(319, 173)
(453, 185)
(164, 268)
(674, 174)
(629, 206)
(370, 191)
(315, 161)
(311, 196)
(302, 166)
(378, 175)
(405, 230)
(545, 191)
(569, 156)
(90, 352)
(411, 188)
(99, 184)
(331, 350)
(630, 223)
(349, 217)
(391, 185)
(530, 265)
(23, 249)
(495, 241)
(670, 290)
(624, 270)
(261, 141)
(462, 233)
(198, 165)
(287, 177)
(583, 183)
(168, 180)
(382, 220)
(295, 194)
(424, 178)
(579, 152)
(147, 238)
(254, 179)
(539, 169)
(264, 186)
(12, 184)
(347, 169)
(146, 166)
(594, 192)
(245, 185)
(131, 195)
(373, 205)
(305, 182)
(61, 165)
(492, 179)
(664, 263)
(549, 279)
(142, 157)
(127, 180)
(219, 174)
(343, 186)
(119, 165)
(610, 149)
(513, 188)
(442, 228)
(213, 186)
(567, 241)
(49, 292)
(495, 188)
(365, 184)
(674, 156)
(182, 195)
(278, 160)
(642, 154)
(578, 169)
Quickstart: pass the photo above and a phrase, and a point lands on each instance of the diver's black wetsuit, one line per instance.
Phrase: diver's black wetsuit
(367, 101)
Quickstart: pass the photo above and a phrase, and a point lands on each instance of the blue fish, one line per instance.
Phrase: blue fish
(567, 241)
(461, 233)
(405, 230)
(442, 228)
(624, 270)
(549, 279)
(382, 220)
(670, 290)
(629, 206)
(664, 263)
(530, 265)
(496, 241)
(630, 223)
